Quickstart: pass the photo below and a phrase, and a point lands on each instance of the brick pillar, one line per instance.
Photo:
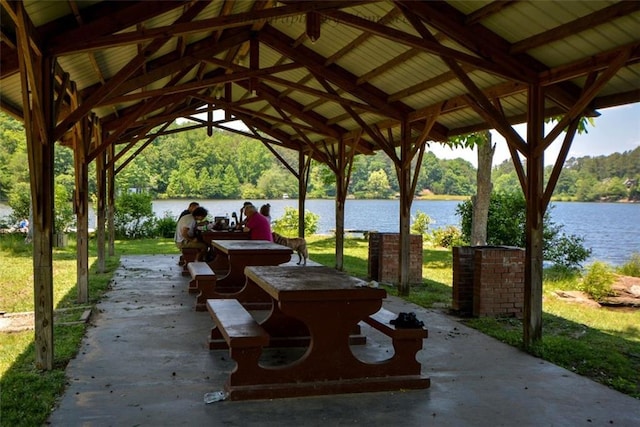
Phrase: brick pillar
(498, 277)
(384, 257)
(374, 260)
(463, 280)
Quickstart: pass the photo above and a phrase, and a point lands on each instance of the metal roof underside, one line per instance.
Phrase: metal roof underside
(306, 74)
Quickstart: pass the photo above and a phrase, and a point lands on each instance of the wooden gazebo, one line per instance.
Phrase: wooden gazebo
(329, 79)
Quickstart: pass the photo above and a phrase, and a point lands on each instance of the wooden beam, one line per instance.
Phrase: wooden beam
(120, 77)
(489, 10)
(576, 26)
(584, 100)
(534, 237)
(198, 85)
(426, 46)
(476, 38)
(30, 64)
(325, 96)
(584, 66)
(314, 62)
(101, 203)
(81, 208)
(40, 158)
(109, 40)
(101, 21)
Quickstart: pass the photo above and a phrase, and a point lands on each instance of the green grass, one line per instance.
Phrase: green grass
(18, 374)
(597, 343)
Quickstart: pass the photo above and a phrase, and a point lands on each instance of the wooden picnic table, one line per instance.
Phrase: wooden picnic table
(329, 304)
(242, 253)
(220, 264)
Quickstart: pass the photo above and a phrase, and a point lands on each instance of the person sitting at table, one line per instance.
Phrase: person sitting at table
(243, 216)
(265, 210)
(190, 209)
(257, 225)
(186, 236)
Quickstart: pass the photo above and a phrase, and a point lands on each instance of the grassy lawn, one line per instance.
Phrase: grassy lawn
(598, 343)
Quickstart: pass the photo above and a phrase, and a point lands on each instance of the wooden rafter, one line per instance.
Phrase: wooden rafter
(122, 75)
(424, 45)
(281, 43)
(586, 97)
(184, 28)
(586, 22)
(475, 38)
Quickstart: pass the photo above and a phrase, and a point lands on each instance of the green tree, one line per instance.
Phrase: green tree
(378, 186)
(134, 217)
(63, 216)
(507, 217)
(287, 224)
(20, 201)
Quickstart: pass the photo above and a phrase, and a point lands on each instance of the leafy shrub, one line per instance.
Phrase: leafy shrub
(597, 280)
(134, 217)
(63, 215)
(506, 222)
(287, 225)
(166, 226)
(420, 223)
(448, 236)
(567, 251)
(19, 201)
(506, 226)
(631, 267)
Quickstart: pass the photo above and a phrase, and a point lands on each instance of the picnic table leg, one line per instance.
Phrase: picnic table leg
(329, 356)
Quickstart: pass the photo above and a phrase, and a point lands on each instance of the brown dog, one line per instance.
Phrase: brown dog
(298, 244)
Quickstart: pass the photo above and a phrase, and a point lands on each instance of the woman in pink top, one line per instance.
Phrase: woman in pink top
(257, 225)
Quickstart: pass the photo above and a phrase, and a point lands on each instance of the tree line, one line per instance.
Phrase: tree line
(190, 164)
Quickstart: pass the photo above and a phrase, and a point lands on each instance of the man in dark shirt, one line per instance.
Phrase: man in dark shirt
(190, 209)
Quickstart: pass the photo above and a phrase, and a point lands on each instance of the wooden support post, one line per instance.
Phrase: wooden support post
(341, 196)
(303, 180)
(37, 85)
(81, 208)
(41, 165)
(111, 198)
(406, 198)
(101, 182)
(532, 322)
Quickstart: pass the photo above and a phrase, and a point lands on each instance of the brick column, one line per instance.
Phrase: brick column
(384, 257)
(463, 280)
(498, 281)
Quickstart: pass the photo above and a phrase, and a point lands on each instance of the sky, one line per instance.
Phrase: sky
(616, 130)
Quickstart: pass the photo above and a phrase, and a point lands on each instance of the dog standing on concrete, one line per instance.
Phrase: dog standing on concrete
(298, 244)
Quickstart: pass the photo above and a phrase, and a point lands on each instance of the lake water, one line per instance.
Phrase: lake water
(611, 230)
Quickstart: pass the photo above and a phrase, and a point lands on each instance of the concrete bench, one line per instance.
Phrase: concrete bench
(406, 342)
(202, 277)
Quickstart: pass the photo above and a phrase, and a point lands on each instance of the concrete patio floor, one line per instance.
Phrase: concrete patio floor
(145, 362)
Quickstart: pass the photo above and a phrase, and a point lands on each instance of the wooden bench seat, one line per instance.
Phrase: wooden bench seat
(235, 325)
(238, 331)
(188, 255)
(202, 278)
(406, 342)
